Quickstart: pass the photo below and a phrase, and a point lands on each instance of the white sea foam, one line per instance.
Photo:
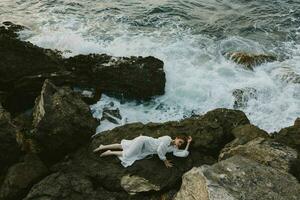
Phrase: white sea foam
(199, 78)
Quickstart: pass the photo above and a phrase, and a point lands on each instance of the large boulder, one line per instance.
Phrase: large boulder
(238, 178)
(133, 77)
(21, 176)
(249, 60)
(210, 133)
(10, 151)
(290, 135)
(62, 122)
(266, 152)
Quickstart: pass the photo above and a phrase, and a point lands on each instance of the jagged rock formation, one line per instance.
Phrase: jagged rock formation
(24, 68)
(62, 122)
(106, 175)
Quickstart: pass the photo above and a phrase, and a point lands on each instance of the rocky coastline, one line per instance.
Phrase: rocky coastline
(47, 149)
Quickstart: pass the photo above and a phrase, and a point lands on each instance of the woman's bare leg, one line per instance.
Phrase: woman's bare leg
(111, 153)
(106, 147)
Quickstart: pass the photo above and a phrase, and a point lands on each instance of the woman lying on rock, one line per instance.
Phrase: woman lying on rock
(142, 146)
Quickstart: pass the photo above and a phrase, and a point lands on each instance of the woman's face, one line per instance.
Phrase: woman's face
(178, 142)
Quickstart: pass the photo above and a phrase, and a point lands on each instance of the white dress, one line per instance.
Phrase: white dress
(142, 146)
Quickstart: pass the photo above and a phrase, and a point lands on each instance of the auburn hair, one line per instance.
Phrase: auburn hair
(185, 140)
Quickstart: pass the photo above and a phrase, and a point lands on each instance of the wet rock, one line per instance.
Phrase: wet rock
(264, 151)
(21, 177)
(62, 121)
(242, 96)
(249, 60)
(287, 74)
(243, 134)
(134, 77)
(238, 178)
(111, 114)
(291, 77)
(8, 28)
(10, 151)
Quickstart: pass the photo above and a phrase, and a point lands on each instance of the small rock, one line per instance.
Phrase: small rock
(134, 184)
(111, 114)
(249, 60)
(242, 96)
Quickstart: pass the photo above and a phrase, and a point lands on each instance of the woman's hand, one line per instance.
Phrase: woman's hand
(189, 139)
(168, 163)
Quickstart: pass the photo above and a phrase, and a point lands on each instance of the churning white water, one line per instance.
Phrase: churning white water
(199, 77)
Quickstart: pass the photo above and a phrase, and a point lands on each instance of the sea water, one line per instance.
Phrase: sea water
(191, 38)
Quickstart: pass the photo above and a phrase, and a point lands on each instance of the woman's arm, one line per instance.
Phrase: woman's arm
(188, 143)
(162, 150)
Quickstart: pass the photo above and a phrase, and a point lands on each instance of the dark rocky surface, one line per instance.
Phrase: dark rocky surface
(62, 122)
(21, 176)
(210, 133)
(24, 68)
(133, 77)
(82, 174)
(10, 151)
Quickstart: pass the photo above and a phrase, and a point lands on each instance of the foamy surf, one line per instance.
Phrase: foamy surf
(199, 77)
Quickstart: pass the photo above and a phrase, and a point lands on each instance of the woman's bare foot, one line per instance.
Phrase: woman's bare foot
(106, 153)
(99, 148)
